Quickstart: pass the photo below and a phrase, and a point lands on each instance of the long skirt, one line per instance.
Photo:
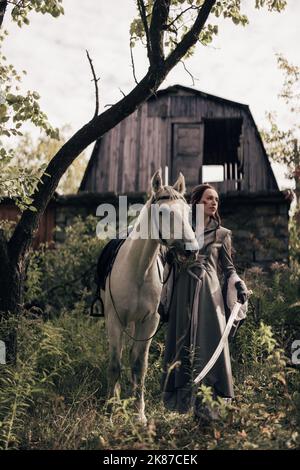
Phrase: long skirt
(196, 323)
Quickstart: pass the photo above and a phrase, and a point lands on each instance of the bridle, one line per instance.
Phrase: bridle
(165, 197)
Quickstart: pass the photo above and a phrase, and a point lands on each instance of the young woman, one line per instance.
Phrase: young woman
(193, 301)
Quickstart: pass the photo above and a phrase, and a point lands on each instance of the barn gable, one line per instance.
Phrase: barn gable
(206, 137)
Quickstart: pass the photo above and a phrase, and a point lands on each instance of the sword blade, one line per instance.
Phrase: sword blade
(219, 349)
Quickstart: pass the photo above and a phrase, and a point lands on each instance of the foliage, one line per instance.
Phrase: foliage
(15, 108)
(59, 277)
(183, 14)
(283, 295)
(54, 398)
(21, 168)
(290, 92)
(282, 145)
(22, 8)
(294, 231)
(34, 155)
(18, 181)
(57, 364)
(274, 303)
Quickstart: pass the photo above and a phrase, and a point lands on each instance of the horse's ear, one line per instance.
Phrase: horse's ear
(156, 181)
(180, 184)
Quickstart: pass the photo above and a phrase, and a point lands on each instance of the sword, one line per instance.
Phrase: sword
(233, 316)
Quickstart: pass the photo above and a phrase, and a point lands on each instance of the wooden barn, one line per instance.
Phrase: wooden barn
(208, 139)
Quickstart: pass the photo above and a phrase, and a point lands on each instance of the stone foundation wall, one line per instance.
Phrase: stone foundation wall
(67, 208)
(259, 222)
(259, 227)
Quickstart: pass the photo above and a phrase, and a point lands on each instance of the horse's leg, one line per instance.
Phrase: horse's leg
(139, 362)
(115, 336)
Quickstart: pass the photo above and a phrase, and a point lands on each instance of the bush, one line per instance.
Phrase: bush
(60, 276)
(60, 368)
(275, 300)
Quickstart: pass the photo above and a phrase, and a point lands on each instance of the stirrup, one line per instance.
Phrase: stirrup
(92, 312)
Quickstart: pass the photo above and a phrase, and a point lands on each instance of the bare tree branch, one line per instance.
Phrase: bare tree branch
(3, 5)
(192, 7)
(132, 64)
(95, 80)
(143, 15)
(190, 74)
(191, 37)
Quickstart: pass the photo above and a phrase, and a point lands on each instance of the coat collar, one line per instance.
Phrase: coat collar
(212, 225)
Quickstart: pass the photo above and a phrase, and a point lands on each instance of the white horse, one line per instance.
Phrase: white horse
(133, 288)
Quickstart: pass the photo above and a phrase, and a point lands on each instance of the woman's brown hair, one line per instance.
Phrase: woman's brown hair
(196, 196)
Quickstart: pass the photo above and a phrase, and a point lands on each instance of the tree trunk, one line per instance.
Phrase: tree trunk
(10, 281)
(11, 299)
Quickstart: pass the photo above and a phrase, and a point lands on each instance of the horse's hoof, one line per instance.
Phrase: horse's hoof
(205, 416)
(142, 420)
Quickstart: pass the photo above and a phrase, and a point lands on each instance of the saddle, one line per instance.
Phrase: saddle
(104, 266)
(106, 260)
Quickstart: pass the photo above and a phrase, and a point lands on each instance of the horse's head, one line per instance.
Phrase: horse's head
(170, 215)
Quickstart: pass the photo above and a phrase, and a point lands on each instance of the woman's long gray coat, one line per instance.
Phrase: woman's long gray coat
(196, 322)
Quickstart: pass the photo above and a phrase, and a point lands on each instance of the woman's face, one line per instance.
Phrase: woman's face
(210, 200)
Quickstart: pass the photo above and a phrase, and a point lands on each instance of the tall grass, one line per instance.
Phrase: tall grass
(54, 398)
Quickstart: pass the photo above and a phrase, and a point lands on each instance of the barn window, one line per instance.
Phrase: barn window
(222, 150)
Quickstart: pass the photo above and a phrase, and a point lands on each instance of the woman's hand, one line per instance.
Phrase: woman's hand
(242, 292)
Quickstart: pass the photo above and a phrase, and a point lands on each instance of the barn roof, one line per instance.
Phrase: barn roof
(177, 88)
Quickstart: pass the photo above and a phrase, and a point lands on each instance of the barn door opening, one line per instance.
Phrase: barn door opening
(222, 154)
(187, 151)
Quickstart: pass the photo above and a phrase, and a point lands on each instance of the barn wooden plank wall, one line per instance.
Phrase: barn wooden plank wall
(131, 152)
(44, 234)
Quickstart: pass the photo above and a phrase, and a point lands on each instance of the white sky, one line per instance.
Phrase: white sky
(240, 65)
